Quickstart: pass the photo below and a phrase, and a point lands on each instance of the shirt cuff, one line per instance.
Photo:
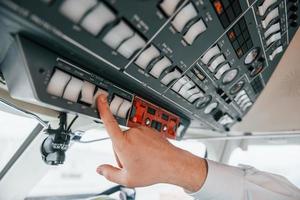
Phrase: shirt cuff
(222, 182)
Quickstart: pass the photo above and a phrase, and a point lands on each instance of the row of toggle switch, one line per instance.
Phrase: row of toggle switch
(94, 16)
(187, 14)
(243, 100)
(76, 90)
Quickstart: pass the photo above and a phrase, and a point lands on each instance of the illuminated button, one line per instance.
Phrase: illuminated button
(225, 119)
(239, 95)
(184, 16)
(117, 35)
(131, 45)
(222, 70)
(275, 52)
(160, 66)
(247, 105)
(58, 82)
(98, 93)
(147, 56)
(124, 108)
(264, 7)
(191, 92)
(169, 6)
(167, 79)
(272, 15)
(115, 104)
(229, 76)
(97, 19)
(210, 107)
(194, 31)
(185, 88)
(75, 9)
(273, 29)
(275, 37)
(177, 86)
(194, 97)
(210, 54)
(73, 89)
(215, 63)
(87, 92)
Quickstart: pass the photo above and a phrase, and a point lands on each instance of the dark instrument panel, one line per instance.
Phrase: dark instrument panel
(206, 61)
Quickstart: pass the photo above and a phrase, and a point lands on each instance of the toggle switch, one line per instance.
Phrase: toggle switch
(147, 56)
(57, 83)
(117, 35)
(242, 98)
(239, 95)
(196, 96)
(185, 15)
(75, 9)
(177, 86)
(167, 79)
(185, 88)
(273, 29)
(275, 52)
(272, 15)
(225, 120)
(246, 106)
(244, 102)
(215, 63)
(97, 94)
(95, 21)
(131, 45)
(169, 6)
(73, 89)
(124, 108)
(194, 31)
(222, 70)
(211, 107)
(191, 92)
(115, 104)
(87, 92)
(264, 7)
(210, 54)
(275, 37)
(160, 66)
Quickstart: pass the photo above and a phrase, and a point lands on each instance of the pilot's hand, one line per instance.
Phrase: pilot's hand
(145, 157)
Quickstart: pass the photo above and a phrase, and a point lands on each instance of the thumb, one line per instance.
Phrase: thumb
(111, 173)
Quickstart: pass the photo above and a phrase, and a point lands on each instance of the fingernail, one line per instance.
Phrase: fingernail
(99, 171)
(103, 98)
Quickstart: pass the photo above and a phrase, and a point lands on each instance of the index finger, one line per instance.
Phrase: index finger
(108, 119)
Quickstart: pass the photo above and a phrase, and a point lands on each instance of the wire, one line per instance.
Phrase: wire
(72, 122)
(91, 141)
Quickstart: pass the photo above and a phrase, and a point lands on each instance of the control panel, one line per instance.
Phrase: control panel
(206, 61)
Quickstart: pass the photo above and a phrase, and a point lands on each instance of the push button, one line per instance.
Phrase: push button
(186, 14)
(272, 15)
(75, 9)
(160, 66)
(73, 89)
(215, 63)
(147, 56)
(131, 45)
(210, 54)
(87, 92)
(97, 19)
(167, 79)
(264, 7)
(117, 35)
(194, 31)
(169, 6)
(115, 104)
(58, 82)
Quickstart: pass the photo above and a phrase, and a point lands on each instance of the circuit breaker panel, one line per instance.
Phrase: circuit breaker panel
(206, 61)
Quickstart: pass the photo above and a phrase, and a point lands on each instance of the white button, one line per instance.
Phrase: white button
(75, 9)
(220, 59)
(272, 15)
(147, 56)
(222, 70)
(87, 92)
(169, 6)
(275, 52)
(184, 16)
(176, 87)
(191, 92)
(239, 95)
(185, 88)
(115, 104)
(98, 93)
(73, 89)
(194, 31)
(160, 66)
(194, 97)
(124, 108)
(275, 37)
(264, 7)
(131, 45)
(210, 54)
(117, 35)
(97, 19)
(167, 79)
(225, 119)
(58, 82)
(273, 29)
(210, 107)
(246, 106)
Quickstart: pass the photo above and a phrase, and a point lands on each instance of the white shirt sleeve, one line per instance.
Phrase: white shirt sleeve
(244, 183)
